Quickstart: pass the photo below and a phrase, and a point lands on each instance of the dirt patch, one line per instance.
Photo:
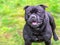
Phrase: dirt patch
(7, 35)
(20, 32)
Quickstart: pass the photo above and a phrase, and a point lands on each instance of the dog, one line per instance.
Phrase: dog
(40, 25)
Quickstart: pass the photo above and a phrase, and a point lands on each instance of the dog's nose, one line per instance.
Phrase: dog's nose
(33, 16)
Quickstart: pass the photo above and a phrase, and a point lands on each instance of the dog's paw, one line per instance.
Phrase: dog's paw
(55, 38)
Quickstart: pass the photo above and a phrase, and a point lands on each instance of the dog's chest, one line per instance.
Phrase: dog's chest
(36, 36)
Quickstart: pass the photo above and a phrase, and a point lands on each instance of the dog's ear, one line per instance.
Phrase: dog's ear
(26, 7)
(43, 6)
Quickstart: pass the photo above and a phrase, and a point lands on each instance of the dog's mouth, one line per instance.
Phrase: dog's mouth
(34, 22)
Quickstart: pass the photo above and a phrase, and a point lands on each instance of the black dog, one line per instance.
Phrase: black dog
(39, 25)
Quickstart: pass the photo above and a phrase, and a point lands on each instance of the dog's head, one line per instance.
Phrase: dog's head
(34, 15)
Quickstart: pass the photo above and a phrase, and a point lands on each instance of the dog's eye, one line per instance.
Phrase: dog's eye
(29, 13)
(39, 11)
(28, 16)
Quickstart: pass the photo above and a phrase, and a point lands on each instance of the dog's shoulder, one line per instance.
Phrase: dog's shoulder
(26, 26)
(51, 20)
(49, 16)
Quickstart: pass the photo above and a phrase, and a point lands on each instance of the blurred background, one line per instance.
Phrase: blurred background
(12, 19)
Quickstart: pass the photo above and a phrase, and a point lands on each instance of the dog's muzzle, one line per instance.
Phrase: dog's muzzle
(33, 19)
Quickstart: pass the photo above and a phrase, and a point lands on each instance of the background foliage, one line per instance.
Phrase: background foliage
(12, 19)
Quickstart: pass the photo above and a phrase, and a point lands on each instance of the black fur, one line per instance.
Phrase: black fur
(41, 32)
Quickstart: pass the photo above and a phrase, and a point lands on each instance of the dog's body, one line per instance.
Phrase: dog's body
(39, 25)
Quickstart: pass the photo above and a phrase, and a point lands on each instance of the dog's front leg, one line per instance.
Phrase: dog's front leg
(48, 42)
(47, 39)
(28, 43)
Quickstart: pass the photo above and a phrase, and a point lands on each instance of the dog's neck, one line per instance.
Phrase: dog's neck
(38, 31)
